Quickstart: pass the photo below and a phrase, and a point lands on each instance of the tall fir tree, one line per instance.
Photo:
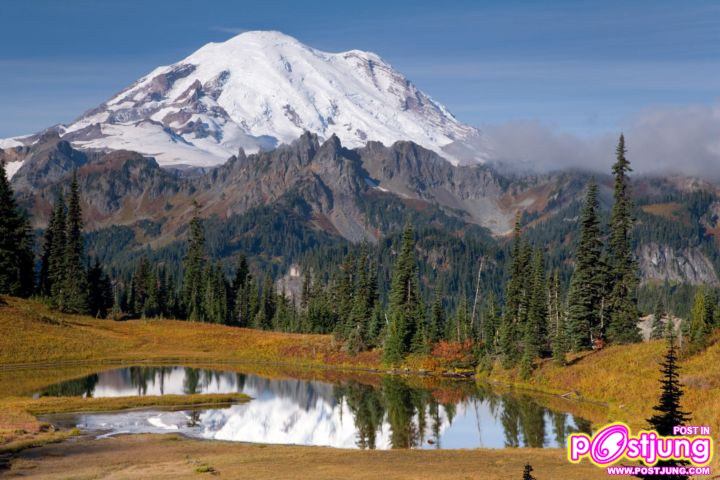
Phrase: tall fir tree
(657, 329)
(50, 238)
(194, 269)
(215, 299)
(436, 327)
(537, 319)
(73, 295)
(268, 305)
(364, 300)
(345, 296)
(16, 244)
(405, 304)
(56, 254)
(585, 297)
(622, 303)
(535, 334)
(241, 293)
(557, 329)
(699, 326)
(516, 300)
(100, 293)
(489, 325)
(669, 412)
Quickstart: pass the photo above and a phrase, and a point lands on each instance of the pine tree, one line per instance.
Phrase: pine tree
(585, 297)
(404, 308)
(516, 298)
(657, 330)
(345, 296)
(536, 326)
(237, 295)
(489, 325)
(214, 299)
(623, 270)
(56, 256)
(73, 297)
(266, 309)
(242, 292)
(459, 325)
(100, 294)
(669, 413)
(49, 238)
(535, 334)
(194, 265)
(699, 327)
(436, 327)
(557, 329)
(16, 243)
(527, 472)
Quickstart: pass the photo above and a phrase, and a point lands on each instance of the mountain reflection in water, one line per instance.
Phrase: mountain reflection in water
(349, 414)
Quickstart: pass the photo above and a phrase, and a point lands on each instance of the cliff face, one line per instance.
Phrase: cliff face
(659, 263)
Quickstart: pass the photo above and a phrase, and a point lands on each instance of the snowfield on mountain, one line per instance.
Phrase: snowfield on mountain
(263, 88)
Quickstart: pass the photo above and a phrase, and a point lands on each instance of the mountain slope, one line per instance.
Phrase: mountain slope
(260, 89)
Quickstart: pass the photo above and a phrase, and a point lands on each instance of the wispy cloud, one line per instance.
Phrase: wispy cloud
(230, 30)
(681, 140)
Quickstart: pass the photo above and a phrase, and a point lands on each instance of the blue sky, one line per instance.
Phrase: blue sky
(581, 67)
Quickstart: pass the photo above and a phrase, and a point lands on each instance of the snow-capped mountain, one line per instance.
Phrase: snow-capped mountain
(263, 88)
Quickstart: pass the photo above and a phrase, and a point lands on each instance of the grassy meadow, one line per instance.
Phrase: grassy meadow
(617, 383)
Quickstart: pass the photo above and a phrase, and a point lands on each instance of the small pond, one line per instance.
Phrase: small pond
(386, 412)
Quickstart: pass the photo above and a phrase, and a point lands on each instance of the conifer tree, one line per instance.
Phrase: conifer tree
(283, 319)
(585, 297)
(459, 326)
(699, 326)
(622, 303)
(268, 304)
(50, 237)
(669, 412)
(516, 298)
(657, 330)
(436, 327)
(489, 325)
(557, 330)
(56, 255)
(73, 297)
(214, 301)
(100, 294)
(404, 310)
(194, 268)
(345, 296)
(151, 309)
(536, 326)
(16, 242)
(242, 293)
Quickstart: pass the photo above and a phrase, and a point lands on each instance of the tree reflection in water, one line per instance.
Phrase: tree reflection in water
(390, 412)
(413, 413)
(81, 387)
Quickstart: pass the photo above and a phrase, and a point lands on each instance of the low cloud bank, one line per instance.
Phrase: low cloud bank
(660, 140)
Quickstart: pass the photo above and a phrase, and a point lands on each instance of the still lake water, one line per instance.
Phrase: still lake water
(349, 414)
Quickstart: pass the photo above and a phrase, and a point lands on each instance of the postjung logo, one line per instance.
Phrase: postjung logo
(614, 443)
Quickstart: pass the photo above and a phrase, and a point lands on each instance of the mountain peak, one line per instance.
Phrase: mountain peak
(260, 89)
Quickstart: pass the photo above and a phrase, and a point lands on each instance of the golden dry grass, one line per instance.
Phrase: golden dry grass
(34, 334)
(174, 457)
(626, 378)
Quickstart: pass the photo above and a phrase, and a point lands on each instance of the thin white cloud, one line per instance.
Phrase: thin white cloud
(683, 140)
(230, 30)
